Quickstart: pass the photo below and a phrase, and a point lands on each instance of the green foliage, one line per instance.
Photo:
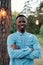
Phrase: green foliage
(41, 6)
(15, 13)
(40, 39)
(41, 19)
(13, 27)
(41, 31)
(32, 27)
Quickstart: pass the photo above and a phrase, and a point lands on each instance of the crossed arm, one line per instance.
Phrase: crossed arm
(30, 53)
(15, 52)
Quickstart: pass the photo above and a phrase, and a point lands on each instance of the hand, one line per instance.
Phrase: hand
(14, 46)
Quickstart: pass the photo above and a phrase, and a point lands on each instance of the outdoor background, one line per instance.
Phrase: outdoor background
(33, 10)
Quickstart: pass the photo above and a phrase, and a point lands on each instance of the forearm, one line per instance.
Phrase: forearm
(19, 53)
(34, 54)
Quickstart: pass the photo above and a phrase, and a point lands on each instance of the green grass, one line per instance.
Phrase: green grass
(40, 39)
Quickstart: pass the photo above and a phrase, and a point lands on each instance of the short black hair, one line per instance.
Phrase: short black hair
(20, 16)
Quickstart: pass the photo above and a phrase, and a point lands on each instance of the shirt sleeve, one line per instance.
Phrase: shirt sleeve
(16, 53)
(37, 50)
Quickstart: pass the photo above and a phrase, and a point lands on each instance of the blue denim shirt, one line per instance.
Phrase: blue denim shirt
(24, 55)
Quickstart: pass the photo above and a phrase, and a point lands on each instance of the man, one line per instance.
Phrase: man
(22, 46)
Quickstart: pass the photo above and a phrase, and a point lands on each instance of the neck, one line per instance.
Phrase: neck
(22, 31)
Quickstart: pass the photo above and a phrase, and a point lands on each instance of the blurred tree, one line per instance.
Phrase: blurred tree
(40, 14)
(5, 26)
(41, 31)
(13, 26)
(41, 20)
(32, 27)
(41, 7)
(15, 13)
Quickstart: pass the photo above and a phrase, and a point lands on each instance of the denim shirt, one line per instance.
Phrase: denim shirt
(24, 55)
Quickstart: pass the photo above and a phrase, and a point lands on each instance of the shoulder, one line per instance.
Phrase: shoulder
(31, 35)
(11, 38)
(13, 35)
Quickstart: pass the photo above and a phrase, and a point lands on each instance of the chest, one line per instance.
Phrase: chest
(24, 41)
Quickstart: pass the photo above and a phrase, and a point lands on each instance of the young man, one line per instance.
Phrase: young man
(22, 46)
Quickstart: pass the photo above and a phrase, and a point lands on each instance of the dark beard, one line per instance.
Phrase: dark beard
(22, 30)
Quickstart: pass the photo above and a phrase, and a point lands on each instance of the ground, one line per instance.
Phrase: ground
(39, 61)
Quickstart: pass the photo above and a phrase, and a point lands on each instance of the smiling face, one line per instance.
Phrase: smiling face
(21, 24)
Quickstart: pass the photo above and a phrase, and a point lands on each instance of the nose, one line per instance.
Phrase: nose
(22, 22)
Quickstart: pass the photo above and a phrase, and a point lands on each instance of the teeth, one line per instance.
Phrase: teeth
(22, 26)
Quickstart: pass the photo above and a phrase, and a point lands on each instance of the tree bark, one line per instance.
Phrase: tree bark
(5, 27)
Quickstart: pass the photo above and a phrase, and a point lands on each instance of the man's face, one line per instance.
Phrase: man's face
(21, 23)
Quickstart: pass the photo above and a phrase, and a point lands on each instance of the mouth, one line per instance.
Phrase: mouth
(22, 26)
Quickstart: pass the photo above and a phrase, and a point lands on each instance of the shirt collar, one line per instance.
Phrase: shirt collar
(21, 33)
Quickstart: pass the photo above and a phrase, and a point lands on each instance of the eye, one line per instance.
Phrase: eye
(19, 21)
(23, 21)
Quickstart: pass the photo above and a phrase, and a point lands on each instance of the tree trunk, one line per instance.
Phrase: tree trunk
(5, 26)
